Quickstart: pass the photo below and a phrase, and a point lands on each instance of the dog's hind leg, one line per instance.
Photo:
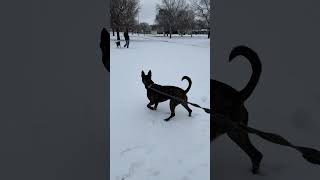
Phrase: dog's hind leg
(241, 138)
(155, 105)
(185, 105)
(173, 105)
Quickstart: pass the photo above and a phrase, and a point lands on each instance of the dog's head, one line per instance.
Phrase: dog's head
(146, 79)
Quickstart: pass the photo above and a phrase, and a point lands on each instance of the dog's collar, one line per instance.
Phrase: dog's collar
(150, 85)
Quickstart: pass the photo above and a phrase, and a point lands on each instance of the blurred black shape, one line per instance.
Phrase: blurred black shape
(105, 48)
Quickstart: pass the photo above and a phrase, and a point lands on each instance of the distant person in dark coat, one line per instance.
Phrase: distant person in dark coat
(126, 37)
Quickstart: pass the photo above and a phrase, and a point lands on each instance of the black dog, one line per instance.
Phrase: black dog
(229, 103)
(155, 97)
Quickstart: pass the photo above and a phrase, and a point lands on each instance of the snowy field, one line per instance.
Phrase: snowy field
(142, 145)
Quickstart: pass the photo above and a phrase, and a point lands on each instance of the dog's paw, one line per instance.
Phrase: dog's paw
(255, 169)
(150, 107)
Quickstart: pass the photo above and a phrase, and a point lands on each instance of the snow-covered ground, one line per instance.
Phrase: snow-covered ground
(142, 144)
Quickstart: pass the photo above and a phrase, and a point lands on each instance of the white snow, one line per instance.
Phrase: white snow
(142, 145)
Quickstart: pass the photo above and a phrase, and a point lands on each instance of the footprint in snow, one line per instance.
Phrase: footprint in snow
(132, 169)
(147, 148)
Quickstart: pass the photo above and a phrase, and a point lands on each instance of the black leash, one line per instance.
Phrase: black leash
(178, 99)
(309, 154)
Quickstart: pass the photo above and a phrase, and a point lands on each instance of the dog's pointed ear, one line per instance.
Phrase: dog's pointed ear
(142, 73)
(149, 73)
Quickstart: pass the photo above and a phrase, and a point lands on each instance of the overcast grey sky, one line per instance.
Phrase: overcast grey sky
(148, 10)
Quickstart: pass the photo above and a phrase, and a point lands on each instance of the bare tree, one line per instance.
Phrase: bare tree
(191, 21)
(168, 11)
(162, 20)
(145, 27)
(202, 9)
(185, 21)
(123, 14)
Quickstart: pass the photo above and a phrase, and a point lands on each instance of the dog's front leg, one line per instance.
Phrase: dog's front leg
(150, 105)
(155, 105)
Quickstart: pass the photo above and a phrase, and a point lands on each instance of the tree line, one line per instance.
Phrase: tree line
(173, 16)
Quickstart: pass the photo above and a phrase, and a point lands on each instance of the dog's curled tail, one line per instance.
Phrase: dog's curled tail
(254, 60)
(189, 81)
